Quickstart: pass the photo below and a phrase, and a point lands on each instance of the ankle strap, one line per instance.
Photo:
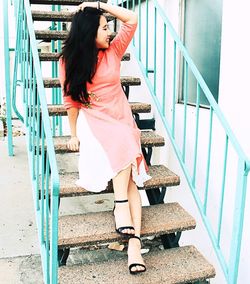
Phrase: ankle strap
(135, 237)
(121, 201)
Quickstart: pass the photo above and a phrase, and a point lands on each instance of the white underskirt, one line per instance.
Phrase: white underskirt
(94, 167)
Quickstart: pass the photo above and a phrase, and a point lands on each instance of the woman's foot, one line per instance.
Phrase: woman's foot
(123, 218)
(135, 260)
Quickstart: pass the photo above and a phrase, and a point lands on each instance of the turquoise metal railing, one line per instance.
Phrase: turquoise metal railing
(7, 77)
(56, 92)
(41, 153)
(164, 60)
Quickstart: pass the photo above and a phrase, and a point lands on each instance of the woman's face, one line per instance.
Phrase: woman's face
(103, 34)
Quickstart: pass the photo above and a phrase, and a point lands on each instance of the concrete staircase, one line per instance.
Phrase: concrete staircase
(165, 221)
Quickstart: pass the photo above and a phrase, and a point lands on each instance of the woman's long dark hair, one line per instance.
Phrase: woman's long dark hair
(80, 53)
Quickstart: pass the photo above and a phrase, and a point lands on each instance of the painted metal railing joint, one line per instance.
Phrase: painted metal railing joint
(247, 167)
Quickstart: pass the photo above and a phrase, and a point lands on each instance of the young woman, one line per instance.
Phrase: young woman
(100, 117)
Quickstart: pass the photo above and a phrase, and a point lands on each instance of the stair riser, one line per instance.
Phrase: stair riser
(60, 2)
(55, 56)
(55, 83)
(56, 35)
(61, 149)
(81, 192)
(61, 111)
(59, 17)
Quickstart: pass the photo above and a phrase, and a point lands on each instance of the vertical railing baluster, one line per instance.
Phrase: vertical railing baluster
(133, 9)
(43, 172)
(25, 78)
(238, 221)
(15, 75)
(222, 191)
(155, 52)
(34, 90)
(208, 160)
(22, 31)
(7, 76)
(185, 110)
(164, 70)
(139, 17)
(59, 93)
(196, 132)
(146, 64)
(53, 63)
(53, 235)
(33, 116)
(38, 136)
(46, 211)
(31, 85)
(174, 92)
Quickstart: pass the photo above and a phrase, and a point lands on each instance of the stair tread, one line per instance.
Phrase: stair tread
(136, 107)
(178, 265)
(99, 227)
(148, 139)
(60, 2)
(54, 56)
(161, 177)
(125, 81)
(65, 16)
(56, 35)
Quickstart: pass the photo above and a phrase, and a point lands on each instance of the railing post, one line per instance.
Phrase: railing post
(238, 222)
(7, 76)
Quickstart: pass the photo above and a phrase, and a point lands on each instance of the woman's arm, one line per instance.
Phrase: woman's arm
(73, 143)
(125, 15)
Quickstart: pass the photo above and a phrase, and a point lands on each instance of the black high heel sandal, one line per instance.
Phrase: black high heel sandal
(136, 264)
(120, 229)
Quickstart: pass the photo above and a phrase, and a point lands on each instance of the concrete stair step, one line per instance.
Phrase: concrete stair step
(161, 177)
(125, 81)
(54, 56)
(48, 35)
(148, 139)
(59, 110)
(60, 2)
(178, 265)
(64, 16)
(99, 227)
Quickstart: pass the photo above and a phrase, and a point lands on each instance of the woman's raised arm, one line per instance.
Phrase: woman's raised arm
(125, 15)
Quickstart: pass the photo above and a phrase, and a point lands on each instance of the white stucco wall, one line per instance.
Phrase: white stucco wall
(234, 98)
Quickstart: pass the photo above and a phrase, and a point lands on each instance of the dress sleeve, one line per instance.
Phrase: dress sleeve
(123, 38)
(67, 100)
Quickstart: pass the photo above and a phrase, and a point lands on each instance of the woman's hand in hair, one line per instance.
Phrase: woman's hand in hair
(87, 4)
(73, 143)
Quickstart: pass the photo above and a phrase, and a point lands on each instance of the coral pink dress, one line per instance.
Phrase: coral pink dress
(109, 137)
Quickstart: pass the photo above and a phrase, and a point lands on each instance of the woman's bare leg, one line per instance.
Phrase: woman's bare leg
(134, 246)
(122, 210)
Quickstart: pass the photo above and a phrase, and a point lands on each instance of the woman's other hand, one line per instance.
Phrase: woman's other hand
(73, 144)
(87, 4)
